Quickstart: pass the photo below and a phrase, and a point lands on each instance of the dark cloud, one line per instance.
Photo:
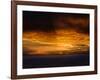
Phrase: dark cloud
(47, 21)
(80, 23)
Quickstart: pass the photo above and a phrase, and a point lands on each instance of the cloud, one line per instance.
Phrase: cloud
(78, 23)
(47, 21)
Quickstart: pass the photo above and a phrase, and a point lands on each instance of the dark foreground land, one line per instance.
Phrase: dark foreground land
(40, 61)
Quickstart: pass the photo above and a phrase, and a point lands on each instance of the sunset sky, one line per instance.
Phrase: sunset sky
(50, 33)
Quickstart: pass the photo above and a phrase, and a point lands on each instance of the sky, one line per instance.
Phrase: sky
(46, 32)
(49, 21)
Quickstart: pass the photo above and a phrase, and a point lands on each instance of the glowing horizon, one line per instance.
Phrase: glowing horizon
(37, 42)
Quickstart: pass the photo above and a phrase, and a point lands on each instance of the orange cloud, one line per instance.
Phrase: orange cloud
(57, 43)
